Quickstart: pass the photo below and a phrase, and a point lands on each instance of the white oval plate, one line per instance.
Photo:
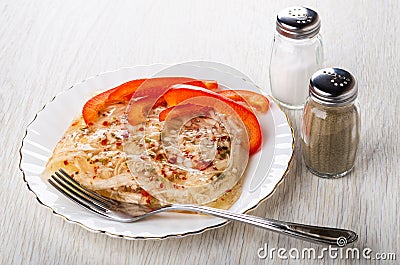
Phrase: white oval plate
(264, 172)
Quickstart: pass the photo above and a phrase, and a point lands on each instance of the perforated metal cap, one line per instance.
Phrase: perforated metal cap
(298, 22)
(333, 87)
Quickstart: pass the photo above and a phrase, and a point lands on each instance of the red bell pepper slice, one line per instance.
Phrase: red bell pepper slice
(255, 100)
(143, 87)
(176, 95)
(156, 86)
(90, 111)
(125, 91)
(150, 95)
(183, 110)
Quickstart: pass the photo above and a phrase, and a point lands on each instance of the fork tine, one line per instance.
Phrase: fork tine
(68, 179)
(78, 190)
(88, 199)
(75, 187)
(76, 198)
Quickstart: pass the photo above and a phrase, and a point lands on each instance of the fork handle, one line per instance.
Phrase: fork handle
(316, 234)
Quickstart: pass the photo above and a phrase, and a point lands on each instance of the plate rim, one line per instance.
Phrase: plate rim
(194, 232)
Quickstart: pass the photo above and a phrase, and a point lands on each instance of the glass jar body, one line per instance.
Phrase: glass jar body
(330, 137)
(293, 61)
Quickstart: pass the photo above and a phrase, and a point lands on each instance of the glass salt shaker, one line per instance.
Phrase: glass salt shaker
(297, 53)
(330, 128)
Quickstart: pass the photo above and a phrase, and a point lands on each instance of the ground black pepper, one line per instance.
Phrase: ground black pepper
(331, 123)
(331, 138)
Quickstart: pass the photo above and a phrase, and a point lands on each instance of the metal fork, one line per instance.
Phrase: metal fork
(131, 212)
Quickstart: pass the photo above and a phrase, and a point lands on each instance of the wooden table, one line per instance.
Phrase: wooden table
(47, 46)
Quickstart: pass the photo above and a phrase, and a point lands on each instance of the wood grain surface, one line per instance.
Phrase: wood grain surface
(47, 46)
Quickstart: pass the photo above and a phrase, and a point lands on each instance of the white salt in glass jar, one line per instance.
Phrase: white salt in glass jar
(297, 53)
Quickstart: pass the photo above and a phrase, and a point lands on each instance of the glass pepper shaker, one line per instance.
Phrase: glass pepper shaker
(330, 128)
(297, 53)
